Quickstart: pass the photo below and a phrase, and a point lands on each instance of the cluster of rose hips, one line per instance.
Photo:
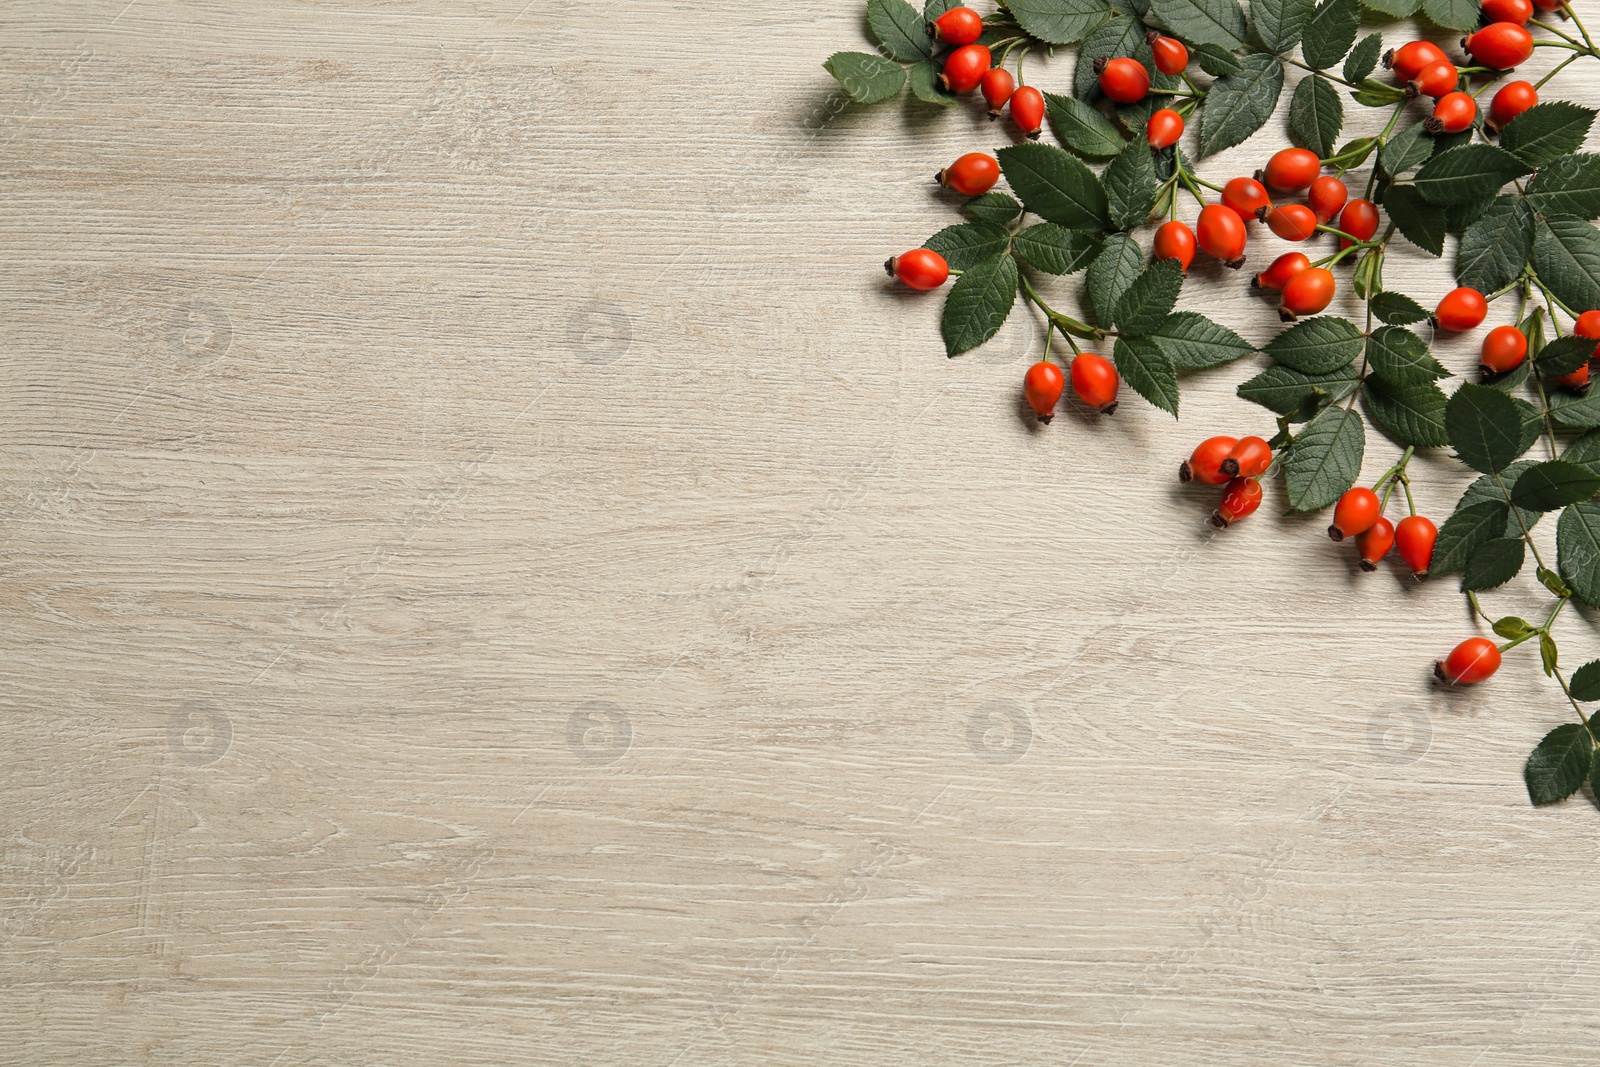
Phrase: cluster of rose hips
(1236, 464)
(970, 66)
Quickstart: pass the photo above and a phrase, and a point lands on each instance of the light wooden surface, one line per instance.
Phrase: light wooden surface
(493, 575)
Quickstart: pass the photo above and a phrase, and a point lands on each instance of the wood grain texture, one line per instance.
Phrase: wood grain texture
(493, 575)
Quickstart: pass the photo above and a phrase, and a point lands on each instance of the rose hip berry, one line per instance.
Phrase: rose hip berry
(1240, 499)
(1436, 79)
(964, 68)
(1027, 110)
(1204, 465)
(958, 26)
(996, 85)
(920, 268)
(1042, 387)
(1247, 197)
(1500, 45)
(1282, 269)
(1470, 662)
(1221, 234)
(1250, 458)
(1095, 380)
(1355, 513)
(972, 174)
(1307, 293)
(1414, 539)
(1513, 11)
(1461, 309)
(1512, 100)
(1328, 194)
(1453, 113)
(1374, 543)
(1358, 219)
(1504, 349)
(1407, 60)
(1122, 79)
(1292, 222)
(1164, 128)
(1171, 55)
(1174, 240)
(1292, 169)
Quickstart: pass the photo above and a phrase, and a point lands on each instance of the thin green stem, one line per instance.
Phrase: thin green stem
(1515, 511)
(1557, 69)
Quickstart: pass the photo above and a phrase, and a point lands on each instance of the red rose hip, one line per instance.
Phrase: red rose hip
(1205, 464)
(1355, 513)
(1414, 539)
(920, 268)
(1042, 387)
(972, 174)
(1095, 381)
(1469, 663)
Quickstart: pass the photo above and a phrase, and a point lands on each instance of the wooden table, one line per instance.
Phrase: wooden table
(494, 574)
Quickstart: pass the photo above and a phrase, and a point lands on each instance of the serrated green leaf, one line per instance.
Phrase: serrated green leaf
(924, 79)
(1452, 14)
(1585, 682)
(900, 29)
(1316, 114)
(978, 303)
(1059, 21)
(1193, 342)
(1576, 412)
(1494, 249)
(1084, 129)
(1280, 23)
(1566, 256)
(1467, 173)
(1148, 301)
(1363, 59)
(1397, 309)
(1422, 223)
(1512, 627)
(1567, 186)
(1324, 460)
(1119, 37)
(1487, 488)
(1130, 184)
(1237, 105)
(1218, 22)
(1560, 763)
(1493, 564)
(1286, 391)
(1055, 185)
(1316, 346)
(1485, 427)
(1400, 357)
(865, 78)
(993, 207)
(1578, 550)
(964, 245)
(1554, 484)
(1216, 60)
(1457, 217)
(1145, 367)
(1585, 451)
(1398, 9)
(1120, 261)
(1563, 355)
(1546, 132)
(1055, 249)
(1463, 532)
(934, 8)
(1330, 33)
(1410, 414)
(1409, 148)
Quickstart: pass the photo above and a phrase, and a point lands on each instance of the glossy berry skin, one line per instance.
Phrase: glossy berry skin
(1374, 543)
(1123, 80)
(1027, 110)
(1220, 232)
(956, 27)
(1205, 464)
(1327, 196)
(972, 174)
(1174, 240)
(1578, 379)
(1588, 324)
(1358, 219)
(1282, 269)
(1513, 11)
(1436, 79)
(1512, 100)
(1247, 197)
(1501, 45)
(1240, 499)
(1164, 128)
(1548, 5)
(1171, 55)
(920, 268)
(1292, 169)
(1504, 349)
(1095, 381)
(1453, 113)
(996, 85)
(1461, 310)
(1292, 222)
(1414, 539)
(964, 68)
(1307, 293)
(1409, 59)
(1469, 663)
(1250, 458)
(1042, 387)
(1355, 513)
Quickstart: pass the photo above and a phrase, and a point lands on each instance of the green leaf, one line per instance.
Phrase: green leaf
(1324, 459)
(1084, 129)
(1237, 105)
(1512, 627)
(1422, 223)
(1554, 484)
(1148, 301)
(1400, 357)
(1563, 355)
(1398, 9)
(1463, 532)
(1578, 550)
(1453, 14)
(993, 207)
(1576, 412)
(1585, 682)
(1316, 346)
(1585, 451)
(1330, 33)
(963, 246)
(1055, 185)
(1397, 309)
(1218, 22)
(1363, 59)
(1374, 93)
(1467, 173)
(1287, 391)
(1056, 249)
(1119, 37)
(1492, 564)
(924, 78)
(1409, 148)
(1130, 184)
(1279, 23)
(1560, 763)
(1487, 488)
(1485, 427)
(1548, 653)
(979, 303)
(1059, 21)
(1316, 114)
(1143, 365)
(1546, 132)
(1457, 217)
(1216, 60)
(1494, 249)
(1120, 261)
(1567, 186)
(899, 27)
(1566, 256)
(1410, 414)
(934, 8)
(1193, 342)
(865, 78)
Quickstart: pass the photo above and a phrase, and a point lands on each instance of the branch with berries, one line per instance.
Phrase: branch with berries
(1509, 181)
